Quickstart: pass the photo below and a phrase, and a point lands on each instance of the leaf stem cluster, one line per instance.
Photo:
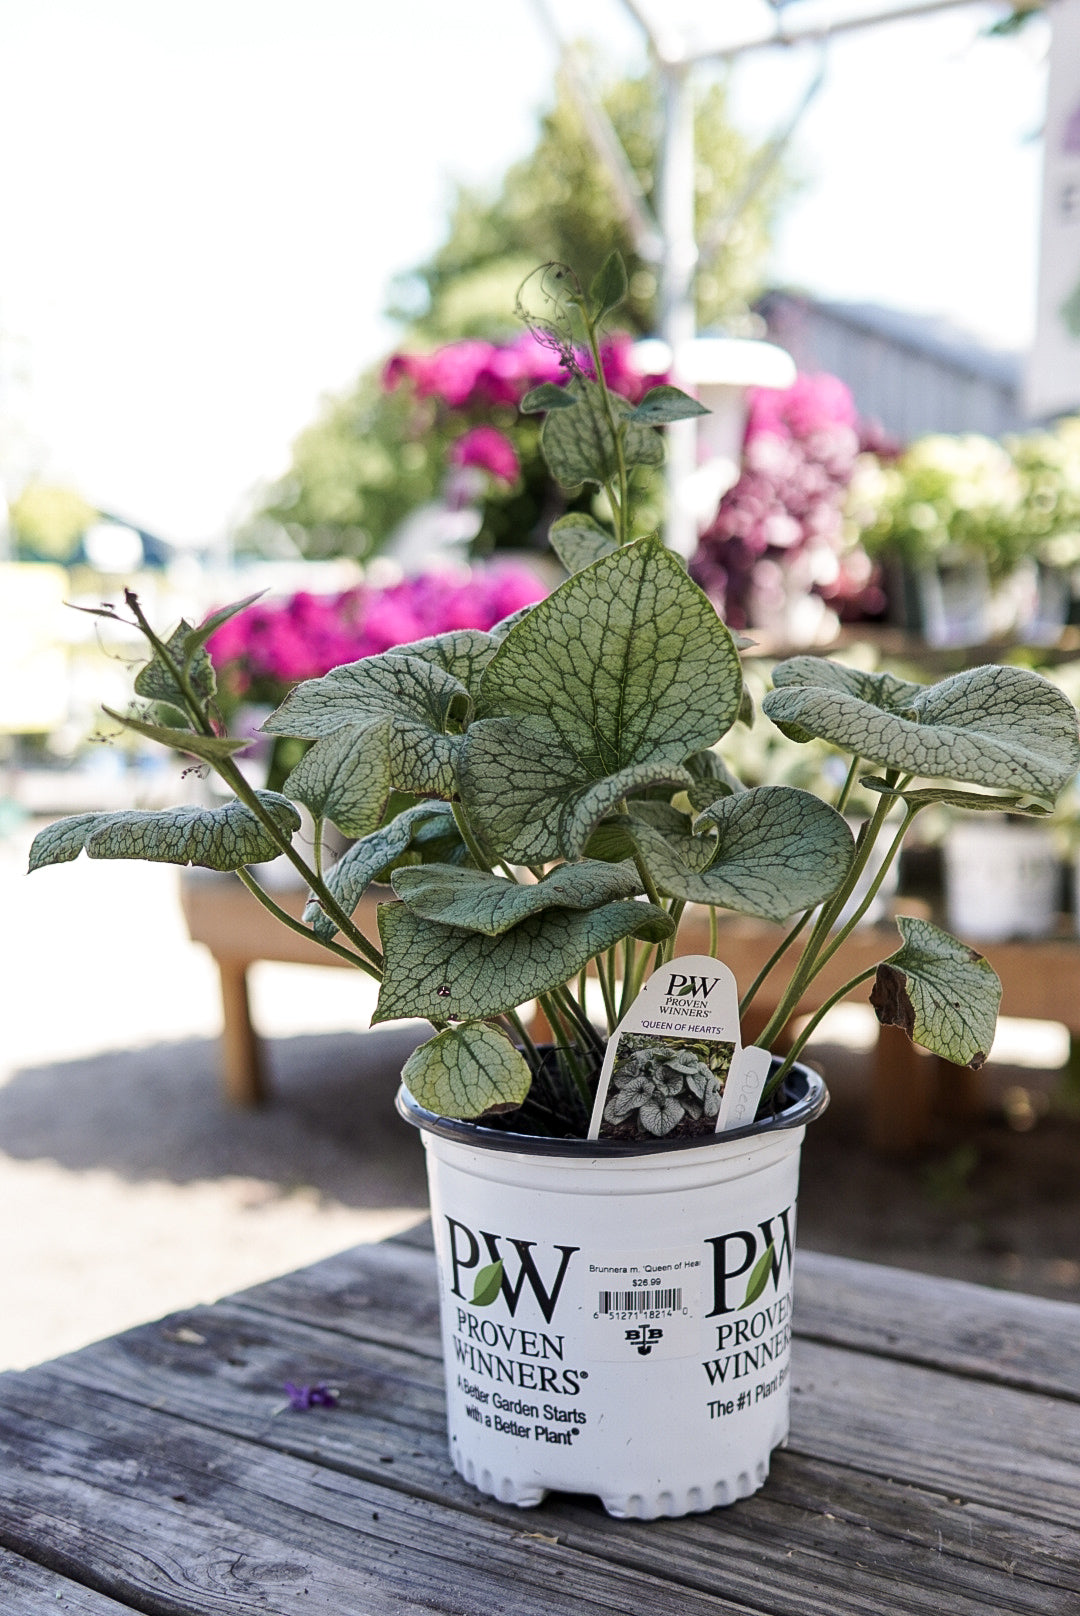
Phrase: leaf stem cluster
(197, 710)
(629, 635)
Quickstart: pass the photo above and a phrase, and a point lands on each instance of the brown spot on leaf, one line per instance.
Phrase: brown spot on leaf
(977, 1060)
(891, 1000)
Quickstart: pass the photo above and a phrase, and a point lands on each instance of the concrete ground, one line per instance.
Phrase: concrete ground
(127, 1185)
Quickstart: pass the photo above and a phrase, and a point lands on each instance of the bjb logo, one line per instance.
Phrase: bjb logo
(495, 1277)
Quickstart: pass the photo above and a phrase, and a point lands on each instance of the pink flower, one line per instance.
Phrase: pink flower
(472, 373)
(783, 518)
(490, 449)
(810, 404)
(304, 636)
(449, 373)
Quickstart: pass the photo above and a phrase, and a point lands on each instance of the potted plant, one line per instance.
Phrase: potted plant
(545, 799)
(943, 517)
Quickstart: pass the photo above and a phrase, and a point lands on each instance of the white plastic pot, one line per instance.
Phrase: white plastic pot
(621, 1350)
(1001, 880)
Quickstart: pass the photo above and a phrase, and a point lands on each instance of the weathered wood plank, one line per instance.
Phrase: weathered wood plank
(421, 1235)
(889, 1418)
(996, 1536)
(202, 1521)
(975, 1444)
(810, 1557)
(1002, 1336)
(174, 1562)
(225, 1368)
(965, 1438)
(392, 1411)
(383, 1292)
(29, 1590)
(816, 1560)
(386, 1292)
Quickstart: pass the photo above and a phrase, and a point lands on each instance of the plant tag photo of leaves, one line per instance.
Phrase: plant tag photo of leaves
(675, 1067)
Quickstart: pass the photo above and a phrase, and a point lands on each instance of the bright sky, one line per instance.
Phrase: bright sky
(202, 205)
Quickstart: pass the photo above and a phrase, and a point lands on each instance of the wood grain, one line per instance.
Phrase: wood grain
(934, 1465)
(924, 1439)
(225, 1517)
(30, 1590)
(1001, 1336)
(811, 1531)
(379, 1293)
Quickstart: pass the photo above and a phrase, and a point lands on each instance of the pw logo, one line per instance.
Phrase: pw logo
(690, 987)
(764, 1253)
(495, 1278)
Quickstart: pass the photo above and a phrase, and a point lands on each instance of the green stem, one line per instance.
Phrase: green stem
(461, 819)
(714, 932)
(622, 510)
(641, 970)
(566, 1047)
(298, 926)
(872, 890)
(605, 970)
(531, 1052)
(647, 880)
(627, 997)
(327, 902)
(773, 960)
(240, 788)
(676, 913)
(575, 1014)
(811, 1026)
(196, 708)
(849, 783)
(809, 964)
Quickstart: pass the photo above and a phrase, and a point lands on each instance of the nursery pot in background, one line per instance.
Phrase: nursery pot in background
(635, 1341)
(1001, 879)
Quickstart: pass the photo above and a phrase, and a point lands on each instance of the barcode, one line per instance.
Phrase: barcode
(669, 1301)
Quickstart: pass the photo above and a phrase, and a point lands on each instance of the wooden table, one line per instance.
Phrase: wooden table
(934, 1466)
(906, 1089)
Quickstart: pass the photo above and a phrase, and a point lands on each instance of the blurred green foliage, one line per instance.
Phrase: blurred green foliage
(48, 522)
(949, 498)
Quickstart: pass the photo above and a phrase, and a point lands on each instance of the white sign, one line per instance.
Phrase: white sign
(1052, 383)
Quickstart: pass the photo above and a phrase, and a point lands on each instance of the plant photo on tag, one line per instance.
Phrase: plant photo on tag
(665, 1087)
(676, 1068)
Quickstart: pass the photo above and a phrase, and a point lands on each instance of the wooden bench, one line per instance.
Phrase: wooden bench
(1040, 979)
(933, 1465)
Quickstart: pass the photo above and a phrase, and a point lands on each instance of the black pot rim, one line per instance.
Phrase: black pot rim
(804, 1093)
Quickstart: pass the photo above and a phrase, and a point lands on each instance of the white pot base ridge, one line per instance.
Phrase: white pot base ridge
(622, 1506)
(635, 1343)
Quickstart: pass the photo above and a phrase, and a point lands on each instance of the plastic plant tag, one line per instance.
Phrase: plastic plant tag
(742, 1091)
(675, 1066)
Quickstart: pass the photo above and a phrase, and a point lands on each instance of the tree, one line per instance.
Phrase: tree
(372, 456)
(558, 203)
